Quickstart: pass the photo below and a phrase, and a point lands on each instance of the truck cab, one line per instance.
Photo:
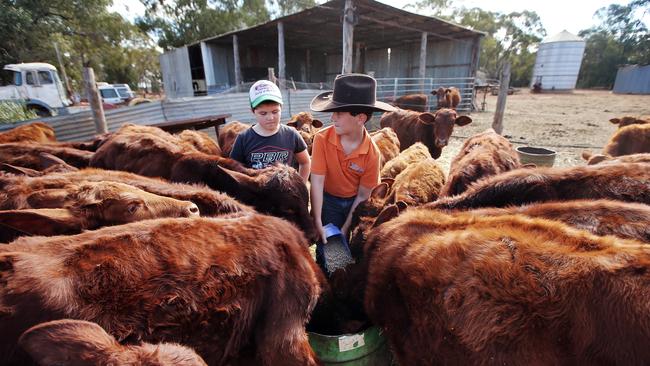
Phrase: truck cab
(37, 85)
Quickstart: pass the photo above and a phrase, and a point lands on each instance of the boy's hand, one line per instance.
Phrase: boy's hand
(321, 231)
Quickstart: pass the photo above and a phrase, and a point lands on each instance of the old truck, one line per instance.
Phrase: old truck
(37, 85)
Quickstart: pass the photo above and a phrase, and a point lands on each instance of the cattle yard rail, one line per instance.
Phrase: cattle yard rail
(194, 123)
(391, 88)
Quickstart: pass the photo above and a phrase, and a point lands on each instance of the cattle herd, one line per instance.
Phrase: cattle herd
(143, 247)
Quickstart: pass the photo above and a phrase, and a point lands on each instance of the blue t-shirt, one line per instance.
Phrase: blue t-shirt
(258, 152)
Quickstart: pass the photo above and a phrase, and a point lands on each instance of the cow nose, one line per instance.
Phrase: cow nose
(441, 143)
(193, 210)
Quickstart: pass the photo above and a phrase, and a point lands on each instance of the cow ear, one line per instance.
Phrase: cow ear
(48, 198)
(292, 124)
(380, 191)
(389, 181)
(47, 160)
(427, 118)
(317, 123)
(595, 159)
(615, 120)
(388, 213)
(44, 221)
(68, 342)
(19, 170)
(463, 120)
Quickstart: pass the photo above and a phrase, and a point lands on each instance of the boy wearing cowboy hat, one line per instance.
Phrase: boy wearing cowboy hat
(345, 161)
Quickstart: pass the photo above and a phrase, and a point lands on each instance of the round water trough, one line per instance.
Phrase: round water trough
(366, 348)
(536, 155)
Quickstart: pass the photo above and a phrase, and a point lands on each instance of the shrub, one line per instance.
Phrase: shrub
(13, 111)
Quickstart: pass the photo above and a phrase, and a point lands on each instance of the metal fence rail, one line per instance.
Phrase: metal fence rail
(80, 126)
(390, 88)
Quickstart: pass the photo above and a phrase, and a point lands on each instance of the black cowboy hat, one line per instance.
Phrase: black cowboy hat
(350, 90)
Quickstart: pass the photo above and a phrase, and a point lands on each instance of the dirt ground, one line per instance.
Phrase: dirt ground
(566, 123)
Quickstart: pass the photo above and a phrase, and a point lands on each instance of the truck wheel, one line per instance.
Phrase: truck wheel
(40, 111)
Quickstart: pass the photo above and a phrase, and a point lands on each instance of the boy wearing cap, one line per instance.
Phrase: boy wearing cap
(268, 141)
(345, 161)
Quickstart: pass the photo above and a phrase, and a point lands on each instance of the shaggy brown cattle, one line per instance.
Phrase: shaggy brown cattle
(82, 343)
(387, 143)
(229, 288)
(89, 206)
(630, 120)
(48, 163)
(412, 102)
(629, 140)
(433, 130)
(447, 97)
(228, 134)
(482, 155)
(416, 152)
(419, 183)
(48, 191)
(506, 290)
(307, 127)
(364, 216)
(34, 132)
(278, 190)
(623, 182)
(201, 141)
(600, 158)
(28, 155)
(601, 217)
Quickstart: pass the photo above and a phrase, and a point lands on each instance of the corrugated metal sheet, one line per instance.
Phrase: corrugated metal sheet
(176, 73)
(558, 64)
(633, 79)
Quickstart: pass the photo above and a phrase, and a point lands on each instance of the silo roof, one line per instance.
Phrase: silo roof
(563, 36)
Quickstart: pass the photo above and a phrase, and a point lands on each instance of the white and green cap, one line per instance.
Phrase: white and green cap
(264, 90)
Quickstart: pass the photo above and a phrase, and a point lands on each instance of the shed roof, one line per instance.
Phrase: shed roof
(379, 26)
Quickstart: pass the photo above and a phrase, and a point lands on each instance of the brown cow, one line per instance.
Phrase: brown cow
(413, 154)
(433, 130)
(629, 140)
(46, 192)
(626, 220)
(467, 290)
(89, 206)
(387, 143)
(228, 134)
(419, 183)
(447, 97)
(278, 190)
(201, 141)
(27, 155)
(600, 158)
(630, 120)
(82, 343)
(412, 102)
(307, 127)
(482, 155)
(38, 132)
(623, 182)
(229, 288)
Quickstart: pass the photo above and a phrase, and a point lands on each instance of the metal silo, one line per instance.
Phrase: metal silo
(558, 62)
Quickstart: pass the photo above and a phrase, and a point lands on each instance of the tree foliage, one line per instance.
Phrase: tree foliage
(86, 33)
(620, 38)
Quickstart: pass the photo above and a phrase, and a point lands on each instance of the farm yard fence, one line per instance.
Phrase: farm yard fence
(297, 97)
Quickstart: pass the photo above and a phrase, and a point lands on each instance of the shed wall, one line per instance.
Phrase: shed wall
(633, 79)
(176, 72)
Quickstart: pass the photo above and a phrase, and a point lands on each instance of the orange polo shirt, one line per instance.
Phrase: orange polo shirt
(343, 174)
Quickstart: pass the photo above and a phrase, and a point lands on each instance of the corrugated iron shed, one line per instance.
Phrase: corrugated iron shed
(633, 79)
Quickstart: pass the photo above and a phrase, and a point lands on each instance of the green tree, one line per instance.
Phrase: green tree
(620, 38)
(509, 37)
(182, 22)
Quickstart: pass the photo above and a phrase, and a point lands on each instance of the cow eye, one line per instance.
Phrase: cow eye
(133, 207)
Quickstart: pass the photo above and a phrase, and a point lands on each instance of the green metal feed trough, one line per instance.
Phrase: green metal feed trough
(366, 348)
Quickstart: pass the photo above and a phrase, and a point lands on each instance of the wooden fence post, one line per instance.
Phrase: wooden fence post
(95, 100)
(423, 60)
(235, 51)
(497, 123)
(281, 58)
(348, 36)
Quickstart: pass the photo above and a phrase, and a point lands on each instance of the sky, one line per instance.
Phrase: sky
(556, 15)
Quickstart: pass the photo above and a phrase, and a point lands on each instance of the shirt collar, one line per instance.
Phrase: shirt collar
(362, 149)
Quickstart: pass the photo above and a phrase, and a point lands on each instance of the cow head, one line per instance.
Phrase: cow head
(307, 126)
(364, 216)
(629, 120)
(78, 342)
(117, 203)
(443, 122)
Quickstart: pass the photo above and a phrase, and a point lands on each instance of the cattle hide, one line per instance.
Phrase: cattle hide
(227, 287)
